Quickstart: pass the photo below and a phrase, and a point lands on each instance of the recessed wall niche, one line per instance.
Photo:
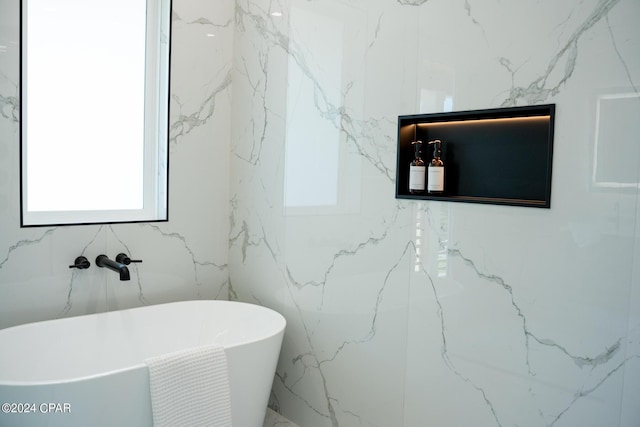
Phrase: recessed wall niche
(499, 156)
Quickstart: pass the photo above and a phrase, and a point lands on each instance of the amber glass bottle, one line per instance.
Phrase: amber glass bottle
(436, 169)
(417, 169)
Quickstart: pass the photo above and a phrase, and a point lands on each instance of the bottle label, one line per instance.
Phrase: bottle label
(416, 178)
(436, 179)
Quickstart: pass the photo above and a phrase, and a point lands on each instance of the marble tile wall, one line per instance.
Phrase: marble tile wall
(404, 313)
(399, 313)
(185, 258)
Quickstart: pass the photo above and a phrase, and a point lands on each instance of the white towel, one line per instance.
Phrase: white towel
(190, 388)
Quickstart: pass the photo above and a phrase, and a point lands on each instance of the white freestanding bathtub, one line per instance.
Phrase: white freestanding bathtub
(90, 370)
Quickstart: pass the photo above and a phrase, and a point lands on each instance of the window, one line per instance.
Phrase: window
(94, 111)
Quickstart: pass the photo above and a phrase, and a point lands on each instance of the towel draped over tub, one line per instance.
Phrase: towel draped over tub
(190, 388)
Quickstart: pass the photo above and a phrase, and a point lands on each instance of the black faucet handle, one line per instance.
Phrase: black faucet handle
(81, 263)
(124, 259)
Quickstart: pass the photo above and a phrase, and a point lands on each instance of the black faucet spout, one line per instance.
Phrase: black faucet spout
(104, 261)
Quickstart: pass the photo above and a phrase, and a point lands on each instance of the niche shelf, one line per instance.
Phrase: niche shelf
(499, 156)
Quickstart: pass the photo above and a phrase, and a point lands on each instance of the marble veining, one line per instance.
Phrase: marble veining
(185, 123)
(25, 242)
(9, 108)
(539, 90)
(580, 361)
(273, 419)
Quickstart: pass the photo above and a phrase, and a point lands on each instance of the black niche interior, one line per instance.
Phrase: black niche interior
(499, 156)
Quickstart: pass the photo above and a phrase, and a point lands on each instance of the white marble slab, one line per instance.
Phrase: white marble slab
(414, 313)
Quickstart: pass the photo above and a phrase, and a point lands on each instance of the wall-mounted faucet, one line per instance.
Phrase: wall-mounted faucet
(104, 261)
(81, 263)
(124, 259)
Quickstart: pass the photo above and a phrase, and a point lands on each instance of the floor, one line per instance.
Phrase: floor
(273, 419)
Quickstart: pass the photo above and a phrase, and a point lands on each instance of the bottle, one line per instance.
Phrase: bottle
(417, 169)
(436, 169)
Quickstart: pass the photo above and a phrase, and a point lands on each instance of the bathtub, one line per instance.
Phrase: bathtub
(90, 371)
